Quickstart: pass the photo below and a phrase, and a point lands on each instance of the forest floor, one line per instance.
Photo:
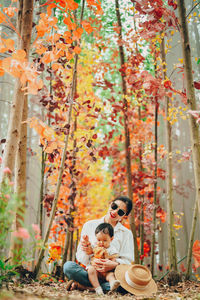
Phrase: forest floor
(35, 290)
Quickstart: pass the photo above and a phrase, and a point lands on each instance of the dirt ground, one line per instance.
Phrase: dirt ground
(34, 291)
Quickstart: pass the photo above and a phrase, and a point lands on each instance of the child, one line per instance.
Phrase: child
(104, 234)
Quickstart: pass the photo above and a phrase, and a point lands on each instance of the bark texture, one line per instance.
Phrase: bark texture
(169, 180)
(194, 127)
(25, 16)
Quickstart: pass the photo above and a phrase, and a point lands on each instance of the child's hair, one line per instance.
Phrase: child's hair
(105, 228)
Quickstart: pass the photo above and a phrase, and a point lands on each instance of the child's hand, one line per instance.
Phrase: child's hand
(86, 245)
(86, 239)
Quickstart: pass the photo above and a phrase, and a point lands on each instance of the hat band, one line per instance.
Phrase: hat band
(133, 284)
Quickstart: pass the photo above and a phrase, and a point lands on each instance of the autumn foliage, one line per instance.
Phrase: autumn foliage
(95, 168)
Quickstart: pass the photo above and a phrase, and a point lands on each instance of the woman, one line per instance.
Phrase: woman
(123, 243)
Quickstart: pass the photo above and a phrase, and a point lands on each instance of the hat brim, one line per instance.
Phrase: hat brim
(120, 275)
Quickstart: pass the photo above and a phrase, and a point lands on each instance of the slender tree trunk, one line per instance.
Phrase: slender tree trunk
(42, 193)
(197, 42)
(155, 187)
(171, 237)
(189, 253)
(195, 143)
(24, 26)
(71, 245)
(25, 17)
(55, 201)
(20, 181)
(142, 229)
(127, 134)
(141, 197)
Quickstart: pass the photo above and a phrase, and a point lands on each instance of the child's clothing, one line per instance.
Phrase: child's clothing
(103, 253)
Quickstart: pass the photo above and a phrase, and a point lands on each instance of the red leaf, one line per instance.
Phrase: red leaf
(196, 253)
(197, 85)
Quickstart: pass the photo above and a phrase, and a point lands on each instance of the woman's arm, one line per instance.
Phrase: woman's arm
(104, 265)
(84, 247)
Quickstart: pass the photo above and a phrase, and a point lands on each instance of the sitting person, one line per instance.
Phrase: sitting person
(103, 250)
(122, 241)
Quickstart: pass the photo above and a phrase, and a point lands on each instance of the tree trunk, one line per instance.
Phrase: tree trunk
(189, 253)
(141, 197)
(15, 152)
(193, 124)
(170, 212)
(155, 187)
(42, 192)
(25, 16)
(127, 135)
(20, 181)
(61, 169)
(197, 42)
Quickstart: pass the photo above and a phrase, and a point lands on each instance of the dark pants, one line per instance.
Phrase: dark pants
(74, 271)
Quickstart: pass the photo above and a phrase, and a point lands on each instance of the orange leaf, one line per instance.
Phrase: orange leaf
(72, 4)
(49, 8)
(88, 28)
(77, 33)
(19, 55)
(69, 23)
(67, 37)
(1, 69)
(10, 44)
(6, 65)
(10, 11)
(56, 66)
(196, 253)
(2, 18)
(41, 50)
(47, 58)
(69, 56)
(77, 50)
(51, 146)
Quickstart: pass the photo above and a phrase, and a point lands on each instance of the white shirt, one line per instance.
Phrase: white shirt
(122, 242)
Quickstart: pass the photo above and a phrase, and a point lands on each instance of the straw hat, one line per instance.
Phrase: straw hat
(136, 279)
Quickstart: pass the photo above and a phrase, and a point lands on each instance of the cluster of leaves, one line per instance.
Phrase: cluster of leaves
(7, 272)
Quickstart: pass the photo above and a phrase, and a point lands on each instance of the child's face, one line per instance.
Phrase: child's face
(103, 239)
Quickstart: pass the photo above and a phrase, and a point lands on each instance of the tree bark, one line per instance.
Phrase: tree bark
(15, 151)
(25, 16)
(155, 187)
(127, 134)
(194, 127)
(169, 181)
(189, 253)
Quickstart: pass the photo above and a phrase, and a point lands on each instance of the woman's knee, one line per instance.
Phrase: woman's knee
(68, 269)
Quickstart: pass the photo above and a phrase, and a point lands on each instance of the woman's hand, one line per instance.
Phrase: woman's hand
(104, 265)
(86, 245)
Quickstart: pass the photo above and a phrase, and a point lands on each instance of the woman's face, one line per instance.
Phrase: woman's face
(117, 210)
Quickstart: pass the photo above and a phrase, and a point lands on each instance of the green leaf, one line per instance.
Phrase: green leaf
(2, 265)
(198, 62)
(78, 1)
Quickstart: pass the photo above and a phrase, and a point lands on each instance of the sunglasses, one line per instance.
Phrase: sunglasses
(120, 211)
